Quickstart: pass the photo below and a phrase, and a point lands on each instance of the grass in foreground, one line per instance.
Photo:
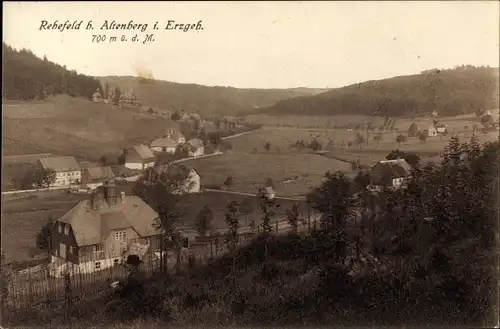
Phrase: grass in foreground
(301, 283)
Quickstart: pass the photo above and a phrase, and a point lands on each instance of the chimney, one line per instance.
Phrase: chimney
(110, 192)
(96, 200)
(122, 197)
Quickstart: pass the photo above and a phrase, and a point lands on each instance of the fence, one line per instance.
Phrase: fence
(35, 286)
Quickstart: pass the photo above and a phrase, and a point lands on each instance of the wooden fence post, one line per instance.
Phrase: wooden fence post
(277, 229)
(161, 254)
(309, 222)
(30, 291)
(67, 296)
(49, 280)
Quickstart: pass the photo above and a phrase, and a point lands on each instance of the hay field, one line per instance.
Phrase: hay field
(293, 174)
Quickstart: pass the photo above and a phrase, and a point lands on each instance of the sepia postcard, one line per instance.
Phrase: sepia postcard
(250, 163)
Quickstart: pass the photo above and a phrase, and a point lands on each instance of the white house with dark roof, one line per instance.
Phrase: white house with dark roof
(195, 147)
(390, 174)
(99, 232)
(164, 144)
(139, 157)
(67, 169)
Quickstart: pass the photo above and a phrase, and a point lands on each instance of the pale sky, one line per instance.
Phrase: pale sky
(263, 44)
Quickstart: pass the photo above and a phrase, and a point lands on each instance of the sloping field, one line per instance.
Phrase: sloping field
(71, 126)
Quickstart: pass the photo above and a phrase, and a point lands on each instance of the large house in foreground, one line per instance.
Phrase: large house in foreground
(66, 168)
(139, 157)
(390, 174)
(99, 232)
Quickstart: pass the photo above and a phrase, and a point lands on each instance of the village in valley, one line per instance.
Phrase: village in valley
(375, 195)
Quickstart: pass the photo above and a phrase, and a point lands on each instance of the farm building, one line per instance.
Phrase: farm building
(139, 157)
(390, 174)
(94, 175)
(164, 144)
(432, 131)
(196, 147)
(99, 232)
(66, 168)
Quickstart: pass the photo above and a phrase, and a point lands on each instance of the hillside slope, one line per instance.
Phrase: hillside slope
(74, 126)
(450, 92)
(204, 100)
(28, 77)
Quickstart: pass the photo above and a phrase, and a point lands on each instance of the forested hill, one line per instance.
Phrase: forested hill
(205, 100)
(450, 92)
(28, 77)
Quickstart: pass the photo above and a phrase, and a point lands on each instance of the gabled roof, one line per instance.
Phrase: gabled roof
(59, 164)
(92, 226)
(182, 170)
(141, 152)
(196, 142)
(100, 173)
(164, 142)
(394, 168)
(86, 165)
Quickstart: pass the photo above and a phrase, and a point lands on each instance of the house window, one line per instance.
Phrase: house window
(98, 248)
(66, 229)
(62, 250)
(121, 236)
(59, 227)
(97, 265)
(71, 249)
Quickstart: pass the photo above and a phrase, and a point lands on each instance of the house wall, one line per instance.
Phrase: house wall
(116, 248)
(192, 184)
(432, 133)
(199, 151)
(139, 165)
(65, 178)
(61, 242)
(397, 182)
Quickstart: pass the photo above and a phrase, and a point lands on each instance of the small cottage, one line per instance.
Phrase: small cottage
(139, 157)
(390, 174)
(195, 147)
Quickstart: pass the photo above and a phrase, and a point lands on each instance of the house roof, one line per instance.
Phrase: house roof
(100, 173)
(182, 170)
(87, 164)
(196, 142)
(394, 168)
(164, 142)
(59, 164)
(141, 152)
(92, 226)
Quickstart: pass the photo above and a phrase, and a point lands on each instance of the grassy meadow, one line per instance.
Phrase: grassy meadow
(293, 174)
(23, 215)
(71, 126)
(281, 137)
